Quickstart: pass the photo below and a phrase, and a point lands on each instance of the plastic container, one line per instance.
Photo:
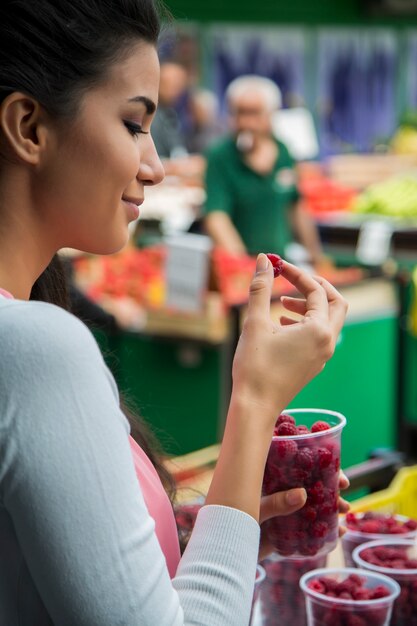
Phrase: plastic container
(255, 616)
(405, 607)
(324, 610)
(353, 538)
(281, 599)
(311, 461)
(400, 497)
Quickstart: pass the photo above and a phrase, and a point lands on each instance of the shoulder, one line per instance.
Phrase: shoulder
(42, 328)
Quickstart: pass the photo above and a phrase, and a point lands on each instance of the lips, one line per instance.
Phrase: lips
(132, 207)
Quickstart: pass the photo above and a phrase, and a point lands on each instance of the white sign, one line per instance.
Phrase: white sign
(374, 242)
(187, 271)
(295, 127)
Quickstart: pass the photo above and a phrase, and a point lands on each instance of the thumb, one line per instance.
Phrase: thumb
(282, 503)
(261, 286)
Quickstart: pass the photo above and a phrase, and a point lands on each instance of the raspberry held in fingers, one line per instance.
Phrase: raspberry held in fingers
(277, 263)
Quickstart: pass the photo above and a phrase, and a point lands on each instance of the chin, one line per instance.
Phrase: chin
(106, 246)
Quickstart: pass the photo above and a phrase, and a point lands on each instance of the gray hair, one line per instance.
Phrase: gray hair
(251, 82)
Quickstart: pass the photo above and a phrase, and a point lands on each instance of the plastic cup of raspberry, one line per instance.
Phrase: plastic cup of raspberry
(398, 560)
(348, 597)
(281, 599)
(371, 526)
(255, 617)
(305, 452)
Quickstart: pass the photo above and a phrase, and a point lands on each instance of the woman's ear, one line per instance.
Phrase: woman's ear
(21, 122)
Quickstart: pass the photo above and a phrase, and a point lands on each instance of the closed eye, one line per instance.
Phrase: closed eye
(135, 129)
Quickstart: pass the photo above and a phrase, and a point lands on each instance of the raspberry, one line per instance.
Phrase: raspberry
(380, 592)
(286, 449)
(371, 526)
(324, 457)
(285, 418)
(276, 262)
(318, 426)
(317, 586)
(302, 430)
(305, 458)
(286, 429)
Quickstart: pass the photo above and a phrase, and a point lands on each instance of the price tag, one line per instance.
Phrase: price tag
(374, 242)
(187, 268)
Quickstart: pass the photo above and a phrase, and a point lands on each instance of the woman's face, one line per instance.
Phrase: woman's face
(97, 166)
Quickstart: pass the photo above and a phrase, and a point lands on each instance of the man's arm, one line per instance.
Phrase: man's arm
(308, 235)
(220, 228)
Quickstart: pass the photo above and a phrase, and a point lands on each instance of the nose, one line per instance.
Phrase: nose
(151, 171)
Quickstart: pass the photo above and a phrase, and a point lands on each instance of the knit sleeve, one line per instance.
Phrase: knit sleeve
(67, 482)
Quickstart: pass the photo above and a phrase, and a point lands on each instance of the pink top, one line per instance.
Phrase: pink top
(155, 497)
(6, 294)
(159, 506)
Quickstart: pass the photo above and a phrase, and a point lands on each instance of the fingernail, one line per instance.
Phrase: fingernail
(343, 475)
(261, 263)
(296, 496)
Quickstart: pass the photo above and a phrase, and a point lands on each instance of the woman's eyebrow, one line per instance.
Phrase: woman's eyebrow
(149, 104)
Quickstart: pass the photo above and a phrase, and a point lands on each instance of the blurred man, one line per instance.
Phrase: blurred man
(252, 201)
(166, 128)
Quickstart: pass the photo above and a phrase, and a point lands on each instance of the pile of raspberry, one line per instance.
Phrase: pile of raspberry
(405, 607)
(379, 524)
(312, 463)
(281, 597)
(185, 516)
(341, 614)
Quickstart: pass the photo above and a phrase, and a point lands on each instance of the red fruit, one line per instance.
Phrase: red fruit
(324, 457)
(380, 592)
(317, 586)
(302, 430)
(285, 449)
(286, 429)
(277, 263)
(285, 418)
(305, 458)
(318, 426)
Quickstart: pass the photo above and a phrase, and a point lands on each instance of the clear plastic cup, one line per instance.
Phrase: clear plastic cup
(405, 607)
(311, 461)
(323, 610)
(255, 616)
(353, 538)
(281, 599)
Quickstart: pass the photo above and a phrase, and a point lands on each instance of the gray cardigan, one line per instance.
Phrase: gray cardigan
(77, 544)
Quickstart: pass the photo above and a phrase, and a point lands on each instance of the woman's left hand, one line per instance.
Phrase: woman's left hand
(287, 502)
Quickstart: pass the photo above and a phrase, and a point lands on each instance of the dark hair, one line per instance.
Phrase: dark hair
(53, 50)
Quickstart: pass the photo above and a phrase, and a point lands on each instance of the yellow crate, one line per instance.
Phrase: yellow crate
(400, 497)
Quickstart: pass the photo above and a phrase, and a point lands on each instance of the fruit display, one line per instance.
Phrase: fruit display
(363, 527)
(348, 597)
(395, 197)
(323, 195)
(281, 599)
(397, 559)
(306, 455)
(132, 273)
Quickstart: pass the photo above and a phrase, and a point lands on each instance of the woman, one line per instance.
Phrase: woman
(78, 90)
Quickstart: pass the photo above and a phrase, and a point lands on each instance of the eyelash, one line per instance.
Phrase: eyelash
(135, 129)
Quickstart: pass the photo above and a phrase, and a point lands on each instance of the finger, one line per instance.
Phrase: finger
(317, 305)
(337, 304)
(260, 288)
(344, 505)
(296, 305)
(342, 531)
(287, 321)
(344, 481)
(282, 503)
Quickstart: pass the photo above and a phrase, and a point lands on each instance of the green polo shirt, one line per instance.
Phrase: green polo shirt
(258, 205)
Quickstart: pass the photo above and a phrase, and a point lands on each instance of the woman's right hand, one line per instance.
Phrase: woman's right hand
(274, 361)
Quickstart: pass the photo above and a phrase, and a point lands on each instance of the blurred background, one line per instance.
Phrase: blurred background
(323, 169)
